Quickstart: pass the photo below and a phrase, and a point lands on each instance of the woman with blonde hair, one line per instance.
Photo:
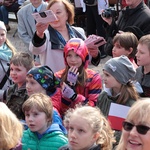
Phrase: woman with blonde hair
(10, 129)
(88, 129)
(136, 127)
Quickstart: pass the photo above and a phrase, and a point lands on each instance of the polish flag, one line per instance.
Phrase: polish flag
(117, 114)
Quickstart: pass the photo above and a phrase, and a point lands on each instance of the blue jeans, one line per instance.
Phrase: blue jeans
(4, 14)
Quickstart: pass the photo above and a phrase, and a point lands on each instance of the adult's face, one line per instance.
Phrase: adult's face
(134, 140)
(36, 3)
(133, 3)
(60, 11)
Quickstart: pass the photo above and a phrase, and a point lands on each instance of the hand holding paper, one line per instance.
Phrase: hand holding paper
(94, 41)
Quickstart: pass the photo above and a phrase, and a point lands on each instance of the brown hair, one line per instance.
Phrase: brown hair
(69, 8)
(127, 40)
(23, 59)
(145, 40)
(127, 91)
(40, 101)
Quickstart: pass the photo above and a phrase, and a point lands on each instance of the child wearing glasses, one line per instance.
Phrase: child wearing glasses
(88, 130)
(79, 84)
(136, 127)
(118, 73)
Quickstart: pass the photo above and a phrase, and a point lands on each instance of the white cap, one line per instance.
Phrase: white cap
(2, 26)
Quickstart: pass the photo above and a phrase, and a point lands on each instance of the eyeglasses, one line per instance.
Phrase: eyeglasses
(141, 129)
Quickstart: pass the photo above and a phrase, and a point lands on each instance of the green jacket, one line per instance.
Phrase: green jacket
(50, 141)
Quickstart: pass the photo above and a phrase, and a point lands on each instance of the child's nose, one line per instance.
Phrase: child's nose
(73, 134)
(30, 118)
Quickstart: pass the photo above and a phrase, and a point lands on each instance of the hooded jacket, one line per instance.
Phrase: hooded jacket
(52, 138)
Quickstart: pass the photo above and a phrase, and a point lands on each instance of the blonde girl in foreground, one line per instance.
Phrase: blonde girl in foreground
(88, 129)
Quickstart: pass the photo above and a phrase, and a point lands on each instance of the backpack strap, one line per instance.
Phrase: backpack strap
(6, 77)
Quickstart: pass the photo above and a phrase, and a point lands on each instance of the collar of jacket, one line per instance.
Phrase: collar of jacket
(128, 11)
(56, 44)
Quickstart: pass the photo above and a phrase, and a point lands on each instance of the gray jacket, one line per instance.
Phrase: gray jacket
(26, 22)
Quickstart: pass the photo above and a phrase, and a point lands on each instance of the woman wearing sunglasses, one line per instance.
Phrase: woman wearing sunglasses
(136, 127)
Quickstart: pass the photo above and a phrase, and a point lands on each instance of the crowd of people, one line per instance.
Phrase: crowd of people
(59, 103)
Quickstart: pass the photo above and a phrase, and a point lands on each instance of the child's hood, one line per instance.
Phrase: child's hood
(56, 127)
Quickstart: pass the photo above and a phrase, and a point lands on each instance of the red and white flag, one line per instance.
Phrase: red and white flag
(117, 114)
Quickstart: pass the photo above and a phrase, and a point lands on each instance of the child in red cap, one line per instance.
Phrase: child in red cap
(79, 84)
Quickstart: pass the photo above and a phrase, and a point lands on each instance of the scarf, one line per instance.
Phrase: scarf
(5, 53)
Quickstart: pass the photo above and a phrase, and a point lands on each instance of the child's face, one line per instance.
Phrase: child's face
(110, 81)
(2, 37)
(80, 134)
(118, 50)
(143, 55)
(36, 120)
(18, 74)
(74, 59)
(32, 86)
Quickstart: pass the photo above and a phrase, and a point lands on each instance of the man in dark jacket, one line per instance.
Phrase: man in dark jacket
(134, 18)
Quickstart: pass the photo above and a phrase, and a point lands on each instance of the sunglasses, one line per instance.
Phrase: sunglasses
(141, 129)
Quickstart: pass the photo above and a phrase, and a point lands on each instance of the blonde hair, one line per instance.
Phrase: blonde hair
(127, 40)
(11, 128)
(145, 40)
(69, 9)
(22, 59)
(98, 123)
(11, 47)
(139, 111)
(40, 101)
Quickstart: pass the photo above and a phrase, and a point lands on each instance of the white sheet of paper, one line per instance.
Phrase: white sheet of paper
(45, 17)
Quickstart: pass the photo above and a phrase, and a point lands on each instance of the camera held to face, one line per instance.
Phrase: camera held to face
(110, 12)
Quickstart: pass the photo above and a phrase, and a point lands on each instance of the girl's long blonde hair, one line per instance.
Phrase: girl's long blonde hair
(10, 128)
(11, 47)
(98, 123)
